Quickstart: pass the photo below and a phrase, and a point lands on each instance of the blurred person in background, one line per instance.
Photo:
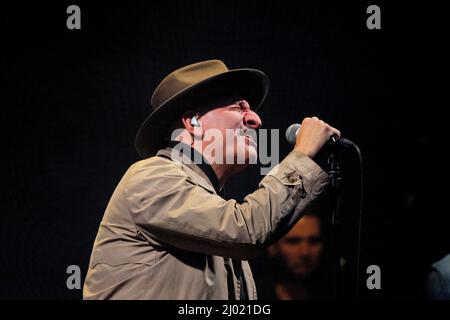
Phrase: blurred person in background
(302, 270)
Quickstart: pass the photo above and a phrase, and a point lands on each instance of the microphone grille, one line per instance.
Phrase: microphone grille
(291, 133)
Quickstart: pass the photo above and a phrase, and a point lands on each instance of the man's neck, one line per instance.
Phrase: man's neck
(197, 158)
(292, 291)
(224, 172)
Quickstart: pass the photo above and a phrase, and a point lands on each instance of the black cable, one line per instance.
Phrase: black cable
(358, 258)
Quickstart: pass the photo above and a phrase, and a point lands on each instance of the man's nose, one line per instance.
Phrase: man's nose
(252, 120)
(304, 251)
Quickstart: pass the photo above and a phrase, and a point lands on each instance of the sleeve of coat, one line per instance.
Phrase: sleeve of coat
(172, 209)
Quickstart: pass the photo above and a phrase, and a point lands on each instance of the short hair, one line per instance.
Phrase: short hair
(177, 124)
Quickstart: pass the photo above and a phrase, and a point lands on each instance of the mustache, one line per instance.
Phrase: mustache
(251, 133)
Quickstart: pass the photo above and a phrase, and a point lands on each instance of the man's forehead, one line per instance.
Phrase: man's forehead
(306, 225)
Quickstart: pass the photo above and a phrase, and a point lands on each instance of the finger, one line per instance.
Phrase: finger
(336, 132)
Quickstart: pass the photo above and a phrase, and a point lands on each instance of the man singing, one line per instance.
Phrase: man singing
(167, 233)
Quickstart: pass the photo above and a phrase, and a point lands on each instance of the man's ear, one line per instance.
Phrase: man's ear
(195, 122)
(191, 122)
(186, 118)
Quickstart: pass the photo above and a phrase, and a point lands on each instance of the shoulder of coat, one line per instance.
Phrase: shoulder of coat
(159, 166)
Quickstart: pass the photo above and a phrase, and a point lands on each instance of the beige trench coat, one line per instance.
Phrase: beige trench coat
(166, 234)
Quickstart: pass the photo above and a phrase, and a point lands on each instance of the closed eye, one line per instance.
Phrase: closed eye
(240, 106)
(236, 108)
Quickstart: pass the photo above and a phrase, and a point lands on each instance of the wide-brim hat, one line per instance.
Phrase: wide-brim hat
(191, 87)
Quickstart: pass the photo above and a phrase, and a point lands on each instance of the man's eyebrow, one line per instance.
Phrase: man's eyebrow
(295, 238)
(242, 104)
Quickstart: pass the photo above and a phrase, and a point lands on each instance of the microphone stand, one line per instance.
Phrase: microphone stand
(336, 186)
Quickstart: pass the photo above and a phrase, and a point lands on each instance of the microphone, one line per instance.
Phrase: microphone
(293, 130)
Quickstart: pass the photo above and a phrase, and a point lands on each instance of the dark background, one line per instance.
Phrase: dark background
(73, 100)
